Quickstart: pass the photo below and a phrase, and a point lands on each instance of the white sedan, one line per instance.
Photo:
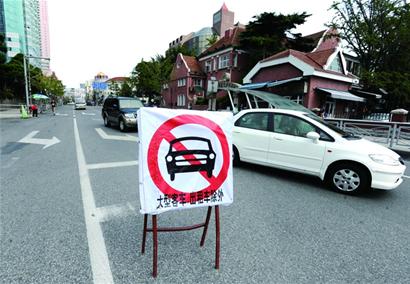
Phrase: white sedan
(302, 142)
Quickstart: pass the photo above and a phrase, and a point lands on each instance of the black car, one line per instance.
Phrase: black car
(121, 111)
(194, 160)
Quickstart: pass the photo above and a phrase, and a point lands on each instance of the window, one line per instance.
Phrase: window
(181, 100)
(198, 82)
(336, 65)
(290, 125)
(181, 82)
(224, 61)
(208, 66)
(235, 60)
(215, 63)
(255, 120)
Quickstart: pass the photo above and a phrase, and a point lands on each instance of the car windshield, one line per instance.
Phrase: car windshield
(192, 143)
(334, 128)
(130, 104)
(80, 101)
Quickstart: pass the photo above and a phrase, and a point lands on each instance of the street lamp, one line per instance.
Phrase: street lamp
(26, 81)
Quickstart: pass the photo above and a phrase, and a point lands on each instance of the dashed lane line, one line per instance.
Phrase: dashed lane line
(112, 165)
(100, 264)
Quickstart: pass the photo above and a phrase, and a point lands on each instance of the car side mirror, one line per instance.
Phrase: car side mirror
(313, 135)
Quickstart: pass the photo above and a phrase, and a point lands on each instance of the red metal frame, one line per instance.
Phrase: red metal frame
(155, 231)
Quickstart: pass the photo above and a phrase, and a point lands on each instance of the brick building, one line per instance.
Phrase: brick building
(316, 79)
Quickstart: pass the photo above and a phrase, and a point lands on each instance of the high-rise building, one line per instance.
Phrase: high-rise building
(26, 30)
(45, 37)
(223, 20)
(12, 26)
(33, 36)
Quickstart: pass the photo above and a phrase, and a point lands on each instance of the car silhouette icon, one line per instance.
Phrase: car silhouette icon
(200, 157)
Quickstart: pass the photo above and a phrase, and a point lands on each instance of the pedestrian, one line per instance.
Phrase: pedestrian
(53, 106)
(34, 110)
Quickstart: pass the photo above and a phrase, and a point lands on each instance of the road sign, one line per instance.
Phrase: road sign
(185, 159)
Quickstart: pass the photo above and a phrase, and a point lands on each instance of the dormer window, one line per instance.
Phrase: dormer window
(336, 65)
(178, 64)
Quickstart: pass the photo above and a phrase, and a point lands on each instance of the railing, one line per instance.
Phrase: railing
(390, 133)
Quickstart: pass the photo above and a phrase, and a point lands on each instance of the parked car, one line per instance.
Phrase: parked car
(79, 104)
(201, 158)
(302, 142)
(121, 111)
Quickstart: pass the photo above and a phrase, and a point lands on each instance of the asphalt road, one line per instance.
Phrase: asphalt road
(69, 213)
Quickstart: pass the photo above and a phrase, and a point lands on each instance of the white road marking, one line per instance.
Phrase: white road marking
(97, 119)
(111, 165)
(46, 142)
(106, 136)
(61, 114)
(406, 176)
(100, 264)
(88, 113)
(107, 213)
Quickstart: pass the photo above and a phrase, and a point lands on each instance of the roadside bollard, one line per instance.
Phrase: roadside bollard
(23, 112)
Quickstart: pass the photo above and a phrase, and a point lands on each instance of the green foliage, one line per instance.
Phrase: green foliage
(201, 101)
(378, 32)
(149, 76)
(269, 32)
(3, 49)
(12, 83)
(212, 40)
(126, 90)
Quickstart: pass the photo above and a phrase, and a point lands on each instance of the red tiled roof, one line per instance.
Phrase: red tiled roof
(193, 65)
(322, 56)
(316, 59)
(225, 42)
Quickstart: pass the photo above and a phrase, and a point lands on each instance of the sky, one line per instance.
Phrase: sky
(112, 36)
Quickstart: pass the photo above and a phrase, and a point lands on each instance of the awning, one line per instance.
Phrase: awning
(377, 96)
(341, 95)
(268, 84)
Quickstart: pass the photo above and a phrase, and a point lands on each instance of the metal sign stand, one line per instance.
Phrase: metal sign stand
(155, 229)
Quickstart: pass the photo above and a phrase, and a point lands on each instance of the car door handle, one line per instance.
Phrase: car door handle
(278, 139)
(235, 131)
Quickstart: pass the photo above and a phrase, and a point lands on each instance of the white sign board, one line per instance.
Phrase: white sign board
(185, 159)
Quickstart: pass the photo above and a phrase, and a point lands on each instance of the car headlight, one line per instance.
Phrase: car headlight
(384, 159)
(129, 115)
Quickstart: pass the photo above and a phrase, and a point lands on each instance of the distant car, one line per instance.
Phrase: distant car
(201, 158)
(302, 142)
(121, 111)
(90, 103)
(70, 103)
(80, 104)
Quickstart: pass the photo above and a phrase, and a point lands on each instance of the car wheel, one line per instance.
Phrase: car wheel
(236, 159)
(106, 122)
(348, 178)
(172, 176)
(122, 126)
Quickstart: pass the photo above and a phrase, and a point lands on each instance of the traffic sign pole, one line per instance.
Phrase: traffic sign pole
(155, 229)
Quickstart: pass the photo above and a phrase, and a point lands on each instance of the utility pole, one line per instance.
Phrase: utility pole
(27, 76)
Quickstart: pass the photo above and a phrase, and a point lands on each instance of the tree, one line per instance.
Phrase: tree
(378, 32)
(269, 33)
(212, 40)
(126, 90)
(3, 49)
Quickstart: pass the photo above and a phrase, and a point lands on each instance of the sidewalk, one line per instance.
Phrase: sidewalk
(10, 113)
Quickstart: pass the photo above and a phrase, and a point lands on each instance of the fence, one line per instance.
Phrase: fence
(390, 133)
